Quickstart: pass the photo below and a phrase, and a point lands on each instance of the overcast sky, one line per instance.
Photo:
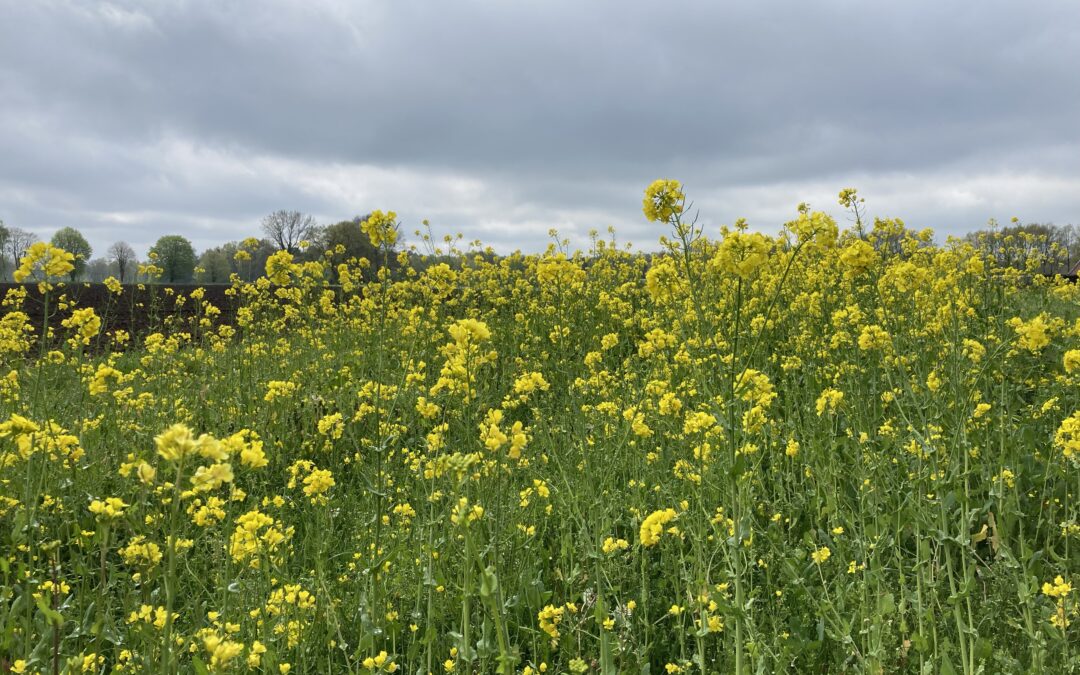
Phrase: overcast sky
(503, 119)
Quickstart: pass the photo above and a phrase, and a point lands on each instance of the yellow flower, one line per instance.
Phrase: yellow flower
(279, 389)
(175, 443)
(381, 228)
(1059, 589)
(279, 268)
(820, 555)
(464, 514)
(1072, 361)
(85, 322)
(100, 382)
(1007, 477)
(933, 381)
(874, 337)
(254, 659)
(611, 545)
(857, 257)
(332, 425)
(141, 553)
(792, 448)
(220, 650)
(251, 448)
(377, 661)
(829, 401)
(257, 534)
(849, 197)
(1067, 436)
(317, 483)
(110, 509)
(653, 526)
(211, 477)
(742, 253)
(45, 260)
(549, 618)
(663, 200)
(1032, 335)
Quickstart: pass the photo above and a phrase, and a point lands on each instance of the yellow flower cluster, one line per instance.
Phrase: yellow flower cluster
(141, 553)
(86, 324)
(1067, 437)
(1031, 335)
(1059, 591)
(820, 555)
(151, 615)
(279, 268)
(176, 443)
(381, 228)
(257, 535)
(276, 389)
(109, 509)
(663, 200)
(742, 254)
(857, 257)
(611, 545)
(464, 358)
(465, 513)
(1071, 361)
(549, 619)
(652, 527)
(493, 438)
(45, 261)
(829, 401)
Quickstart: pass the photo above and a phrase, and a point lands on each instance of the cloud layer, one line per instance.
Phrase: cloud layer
(133, 119)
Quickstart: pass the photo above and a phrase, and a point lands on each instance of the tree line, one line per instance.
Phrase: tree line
(172, 259)
(1051, 249)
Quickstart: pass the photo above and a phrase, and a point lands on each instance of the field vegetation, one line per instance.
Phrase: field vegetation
(820, 451)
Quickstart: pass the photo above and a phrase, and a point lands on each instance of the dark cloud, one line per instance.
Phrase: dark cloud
(133, 119)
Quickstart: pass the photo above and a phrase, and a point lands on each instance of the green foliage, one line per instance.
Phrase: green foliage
(72, 241)
(176, 258)
(214, 267)
(344, 241)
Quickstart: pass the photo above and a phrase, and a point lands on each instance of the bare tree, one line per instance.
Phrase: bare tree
(288, 228)
(4, 234)
(18, 242)
(123, 255)
(99, 269)
(1055, 248)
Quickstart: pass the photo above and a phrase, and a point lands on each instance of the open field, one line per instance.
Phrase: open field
(819, 452)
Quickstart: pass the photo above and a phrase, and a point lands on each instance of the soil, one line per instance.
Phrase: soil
(139, 309)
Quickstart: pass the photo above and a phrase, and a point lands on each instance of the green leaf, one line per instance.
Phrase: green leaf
(199, 666)
(51, 615)
(488, 583)
(886, 604)
(947, 667)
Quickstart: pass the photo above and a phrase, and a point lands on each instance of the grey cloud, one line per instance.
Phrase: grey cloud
(132, 119)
